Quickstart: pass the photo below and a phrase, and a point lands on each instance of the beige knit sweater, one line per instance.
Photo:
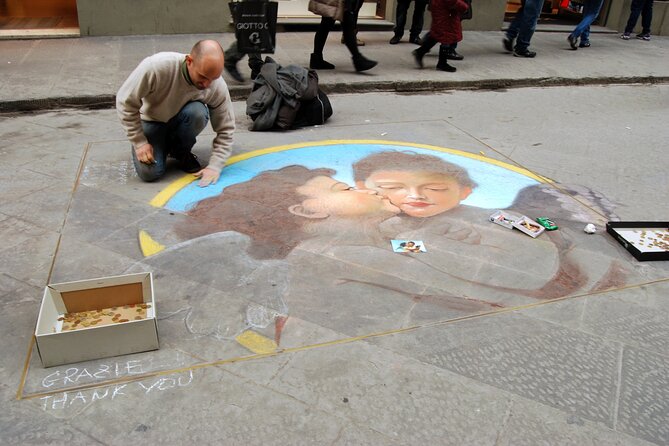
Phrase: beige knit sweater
(156, 90)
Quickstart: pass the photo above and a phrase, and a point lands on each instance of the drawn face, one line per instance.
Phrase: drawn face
(418, 194)
(329, 197)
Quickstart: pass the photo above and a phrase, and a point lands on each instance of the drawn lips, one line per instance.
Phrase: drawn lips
(418, 204)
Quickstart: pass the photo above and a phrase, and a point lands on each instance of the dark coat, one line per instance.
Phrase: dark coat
(277, 95)
(446, 25)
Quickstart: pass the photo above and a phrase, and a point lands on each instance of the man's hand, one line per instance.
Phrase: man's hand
(207, 176)
(144, 154)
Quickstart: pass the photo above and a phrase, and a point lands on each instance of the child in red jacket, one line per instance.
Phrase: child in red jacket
(446, 29)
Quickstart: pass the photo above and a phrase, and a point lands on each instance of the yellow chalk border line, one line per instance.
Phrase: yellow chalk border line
(336, 342)
(166, 194)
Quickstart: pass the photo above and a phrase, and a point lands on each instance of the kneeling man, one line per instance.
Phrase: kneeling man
(167, 101)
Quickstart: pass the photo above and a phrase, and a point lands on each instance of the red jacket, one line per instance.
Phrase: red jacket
(446, 25)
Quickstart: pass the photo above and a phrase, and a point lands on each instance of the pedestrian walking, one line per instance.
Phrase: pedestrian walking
(645, 9)
(446, 28)
(234, 56)
(345, 11)
(416, 21)
(521, 30)
(582, 31)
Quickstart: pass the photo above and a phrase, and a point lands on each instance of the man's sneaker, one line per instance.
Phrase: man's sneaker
(524, 53)
(643, 36)
(189, 163)
(508, 43)
(573, 42)
(584, 44)
(416, 40)
(234, 72)
(395, 40)
(625, 36)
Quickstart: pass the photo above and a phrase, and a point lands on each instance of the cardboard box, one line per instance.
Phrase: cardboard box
(645, 240)
(56, 347)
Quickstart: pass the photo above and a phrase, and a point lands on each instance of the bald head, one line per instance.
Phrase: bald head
(205, 63)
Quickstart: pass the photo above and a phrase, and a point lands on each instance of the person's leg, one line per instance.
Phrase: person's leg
(514, 26)
(450, 51)
(417, 21)
(531, 11)
(442, 64)
(400, 20)
(349, 25)
(156, 133)
(428, 43)
(590, 12)
(182, 133)
(512, 31)
(255, 64)
(646, 17)
(232, 56)
(317, 62)
(635, 11)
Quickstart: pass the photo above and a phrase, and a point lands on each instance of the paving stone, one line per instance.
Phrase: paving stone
(45, 208)
(30, 261)
(562, 368)
(644, 396)
(14, 291)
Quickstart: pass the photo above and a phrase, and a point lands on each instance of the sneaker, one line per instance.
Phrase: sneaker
(524, 53)
(643, 36)
(625, 36)
(508, 44)
(416, 40)
(189, 163)
(234, 72)
(584, 44)
(573, 41)
(395, 40)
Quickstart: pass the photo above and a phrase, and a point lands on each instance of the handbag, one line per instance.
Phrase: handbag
(468, 13)
(255, 25)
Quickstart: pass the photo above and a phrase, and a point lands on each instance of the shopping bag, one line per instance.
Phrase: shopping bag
(255, 25)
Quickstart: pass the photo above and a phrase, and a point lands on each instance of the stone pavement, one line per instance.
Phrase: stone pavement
(378, 348)
(42, 74)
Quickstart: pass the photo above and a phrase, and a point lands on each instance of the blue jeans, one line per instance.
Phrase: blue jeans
(175, 137)
(590, 13)
(523, 25)
(645, 8)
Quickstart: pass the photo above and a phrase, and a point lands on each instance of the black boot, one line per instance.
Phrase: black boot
(318, 63)
(442, 64)
(418, 54)
(361, 63)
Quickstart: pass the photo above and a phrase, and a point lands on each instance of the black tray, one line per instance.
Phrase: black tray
(612, 228)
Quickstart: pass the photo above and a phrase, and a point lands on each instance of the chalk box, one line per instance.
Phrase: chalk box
(94, 342)
(524, 224)
(504, 218)
(628, 234)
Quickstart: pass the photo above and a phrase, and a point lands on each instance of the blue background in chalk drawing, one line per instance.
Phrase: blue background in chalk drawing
(497, 186)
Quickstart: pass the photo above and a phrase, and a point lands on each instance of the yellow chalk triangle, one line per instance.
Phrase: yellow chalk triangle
(148, 245)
